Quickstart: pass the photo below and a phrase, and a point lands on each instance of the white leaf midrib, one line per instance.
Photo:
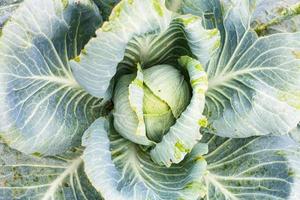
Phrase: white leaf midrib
(72, 168)
(209, 178)
(222, 78)
(59, 80)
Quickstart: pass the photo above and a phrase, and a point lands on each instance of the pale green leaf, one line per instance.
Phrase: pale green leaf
(31, 177)
(169, 85)
(126, 120)
(120, 170)
(158, 116)
(167, 94)
(184, 134)
(42, 107)
(136, 99)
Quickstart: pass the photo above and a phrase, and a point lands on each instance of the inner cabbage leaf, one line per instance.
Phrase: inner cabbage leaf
(158, 36)
(97, 65)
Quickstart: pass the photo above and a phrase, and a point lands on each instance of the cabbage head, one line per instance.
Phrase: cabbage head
(149, 99)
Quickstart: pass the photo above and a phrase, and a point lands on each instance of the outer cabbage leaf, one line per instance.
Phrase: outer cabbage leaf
(7, 7)
(253, 168)
(203, 43)
(83, 20)
(253, 82)
(31, 177)
(272, 16)
(120, 170)
(105, 7)
(210, 11)
(295, 133)
(42, 108)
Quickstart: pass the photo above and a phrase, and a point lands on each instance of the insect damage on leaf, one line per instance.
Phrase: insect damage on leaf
(296, 54)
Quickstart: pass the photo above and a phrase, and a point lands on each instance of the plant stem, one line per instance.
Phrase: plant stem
(285, 14)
